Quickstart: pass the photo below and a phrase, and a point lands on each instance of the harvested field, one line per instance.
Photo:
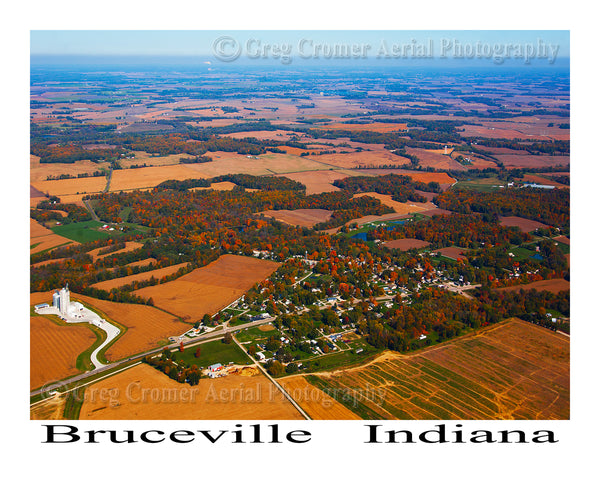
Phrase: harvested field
(72, 186)
(554, 285)
(303, 217)
(405, 244)
(451, 252)
(212, 399)
(129, 246)
(149, 177)
(399, 207)
(281, 135)
(442, 178)
(138, 277)
(210, 288)
(318, 404)
(543, 181)
(35, 193)
(533, 161)
(512, 370)
(268, 164)
(366, 127)
(39, 172)
(48, 262)
(364, 159)
(142, 263)
(524, 224)
(563, 239)
(319, 181)
(54, 349)
(432, 158)
(494, 132)
(146, 326)
(43, 238)
(150, 160)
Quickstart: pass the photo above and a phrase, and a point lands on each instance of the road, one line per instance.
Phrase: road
(188, 343)
(91, 210)
(279, 387)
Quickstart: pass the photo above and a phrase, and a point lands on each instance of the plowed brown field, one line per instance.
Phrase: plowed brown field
(210, 288)
(54, 349)
(513, 370)
(44, 238)
(315, 402)
(118, 282)
(405, 244)
(143, 393)
(523, 224)
(304, 217)
(555, 285)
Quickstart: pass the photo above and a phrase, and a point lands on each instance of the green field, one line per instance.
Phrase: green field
(89, 231)
(213, 352)
(490, 184)
(82, 231)
(253, 334)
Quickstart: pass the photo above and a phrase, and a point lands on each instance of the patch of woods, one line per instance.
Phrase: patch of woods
(167, 363)
(400, 187)
(441, 315)
(547, 206)
(43, 212)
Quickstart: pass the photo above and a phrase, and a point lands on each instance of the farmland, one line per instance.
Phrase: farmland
(514, 370)
(555, 285)
(405, 244)
(139, 277)
(145, 326)
(399, 207)
(318, 404)
(54, 349)
(210, 288)
(301, 217)
(524, 224)
(143, 393)
(42, 238)
(214, 352)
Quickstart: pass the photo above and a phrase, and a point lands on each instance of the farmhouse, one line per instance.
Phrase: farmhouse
(215, 367)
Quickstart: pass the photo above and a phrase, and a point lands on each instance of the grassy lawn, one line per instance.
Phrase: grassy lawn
(213, 352)
(91, 230)
(254, 333)
(82, 231)
(490, 184)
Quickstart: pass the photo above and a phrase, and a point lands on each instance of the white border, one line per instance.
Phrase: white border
(336, 449)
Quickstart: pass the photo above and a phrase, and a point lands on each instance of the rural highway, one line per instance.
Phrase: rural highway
(279, 387)
(108, 368)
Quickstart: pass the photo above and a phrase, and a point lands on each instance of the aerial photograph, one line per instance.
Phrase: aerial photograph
(299, 225)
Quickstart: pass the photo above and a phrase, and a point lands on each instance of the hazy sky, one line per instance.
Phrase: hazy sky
(181, 42)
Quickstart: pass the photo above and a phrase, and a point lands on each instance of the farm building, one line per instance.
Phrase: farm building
(215, 367)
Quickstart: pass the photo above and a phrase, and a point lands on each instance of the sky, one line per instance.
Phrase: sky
(273, 44)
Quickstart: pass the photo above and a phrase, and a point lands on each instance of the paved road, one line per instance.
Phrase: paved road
(91, 210)
(188, 343)
(279, 387)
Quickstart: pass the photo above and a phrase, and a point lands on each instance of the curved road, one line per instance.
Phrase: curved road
(191, 342)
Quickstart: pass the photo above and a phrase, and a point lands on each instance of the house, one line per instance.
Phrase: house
(215, 367)
(260, 355)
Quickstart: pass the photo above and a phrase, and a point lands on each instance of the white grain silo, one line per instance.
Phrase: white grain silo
(56, 300)
(65, 300)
